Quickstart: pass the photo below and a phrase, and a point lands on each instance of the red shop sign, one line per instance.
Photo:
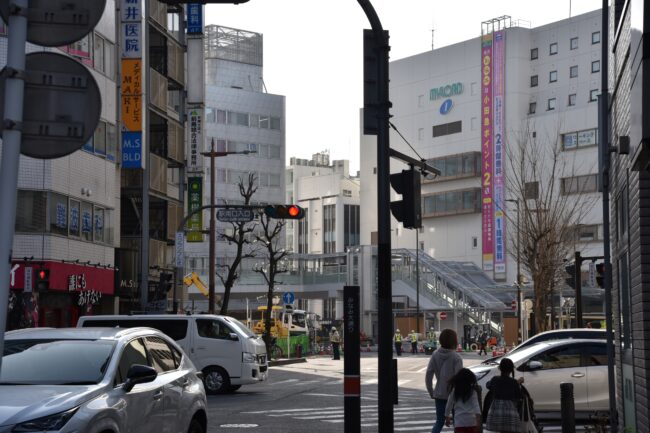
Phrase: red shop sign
(64, 277)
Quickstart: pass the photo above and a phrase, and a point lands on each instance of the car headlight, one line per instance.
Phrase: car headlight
(47, 423)
(247, 357)
(481, 374)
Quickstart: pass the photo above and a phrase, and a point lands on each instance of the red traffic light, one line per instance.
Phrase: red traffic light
(294, 211)
(284, 211)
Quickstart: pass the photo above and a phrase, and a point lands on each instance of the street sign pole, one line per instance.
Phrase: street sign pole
(11, 138)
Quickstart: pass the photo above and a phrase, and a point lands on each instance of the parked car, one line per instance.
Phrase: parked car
(545, 365)
(98, 380)
(227, 352)
(557, 334)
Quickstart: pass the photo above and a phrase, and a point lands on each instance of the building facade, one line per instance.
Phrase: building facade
(543, 82)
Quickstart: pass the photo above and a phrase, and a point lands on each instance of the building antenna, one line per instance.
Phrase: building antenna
(432, 32)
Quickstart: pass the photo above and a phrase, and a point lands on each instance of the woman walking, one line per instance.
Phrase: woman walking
(443, 364)
(463, 403)
(503, 415)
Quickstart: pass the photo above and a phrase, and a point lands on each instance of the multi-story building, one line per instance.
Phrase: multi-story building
(68, 209)
(239, 116)
(549, 78)
(330, 198)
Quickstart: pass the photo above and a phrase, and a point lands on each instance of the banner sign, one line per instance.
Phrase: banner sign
(487, 150)
(131, 149)
(194, 202)
(498, 90)
(195, 140)
(194, 18)
(131, 88)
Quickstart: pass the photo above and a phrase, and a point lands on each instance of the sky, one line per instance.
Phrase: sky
(313, 53)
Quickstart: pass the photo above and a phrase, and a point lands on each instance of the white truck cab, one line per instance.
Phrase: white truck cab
(224, 349)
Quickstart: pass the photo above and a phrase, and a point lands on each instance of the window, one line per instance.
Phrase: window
(264, 122)
(329, 229)
(303, 234)
(595, 66)
(161, 354)
(594, 354)
(133, 353)
(103, 56)
(593, 95)
(221, 116)
(584, 138)
(58, 214)
(595, 38)
(586, 233)
(103, 141)
(447, 129)
(210, 115)
(552, 76)
(579, 184)
(532, 107)
(73, 223)
(533, 81)
(572, 100)
(111, 142)
(98, 220)
(212, 329)
(352, 225)
(452, 203)
(573, 43)
(86, 221)
(552, 49)
(31, 211)
(573, 71)
(531, 190)
(534, 54)
(550, 104)
(275, 123)
(474, 242)
(420, 134)
(99, 138)
(563, 357)
(458, 166)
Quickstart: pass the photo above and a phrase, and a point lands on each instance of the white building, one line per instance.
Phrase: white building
(330, 198)
(550, 87)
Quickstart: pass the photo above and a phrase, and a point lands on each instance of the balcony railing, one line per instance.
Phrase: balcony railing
(157, 253)
(175, 141)
(175, 65)
(174, 218)
(158, 174)
(158, 90)
(158, 12)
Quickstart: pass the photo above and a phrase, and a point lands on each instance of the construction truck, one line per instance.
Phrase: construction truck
(290, 328)
(193, 279)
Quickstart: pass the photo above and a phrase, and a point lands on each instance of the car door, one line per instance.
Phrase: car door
(144, 403)
(559, 364)
(214, 345)
(174, 382)
(594, 356)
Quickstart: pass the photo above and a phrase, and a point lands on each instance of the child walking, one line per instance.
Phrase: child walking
(463, 403)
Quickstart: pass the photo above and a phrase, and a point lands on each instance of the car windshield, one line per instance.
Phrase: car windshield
(523, 354)
(241, 327)
(55, 362)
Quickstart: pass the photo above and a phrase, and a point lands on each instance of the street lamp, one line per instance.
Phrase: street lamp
(519, 336)
(212, 241)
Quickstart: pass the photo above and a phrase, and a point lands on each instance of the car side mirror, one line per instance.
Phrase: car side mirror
(232, 336)
(535, 365)
(139, 373)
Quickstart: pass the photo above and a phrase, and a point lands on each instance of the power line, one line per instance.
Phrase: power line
(405, 140)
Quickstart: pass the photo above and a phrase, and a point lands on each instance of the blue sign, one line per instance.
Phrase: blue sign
(446, 106)
(194, 18)
(288, 297)
(131, 149)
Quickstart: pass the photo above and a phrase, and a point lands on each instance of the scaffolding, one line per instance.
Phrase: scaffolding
(496, 24)
(236, 45)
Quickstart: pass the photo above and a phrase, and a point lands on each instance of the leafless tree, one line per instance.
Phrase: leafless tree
(554, 201)
(229, 273)
(271, 239)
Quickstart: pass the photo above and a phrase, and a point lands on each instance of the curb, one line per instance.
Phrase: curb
(286, 361)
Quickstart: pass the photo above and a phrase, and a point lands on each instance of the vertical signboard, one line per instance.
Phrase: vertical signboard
(487, 150)
(194, 18)
(498, 116)
(131, 88)
(194, 202)
(195, 140)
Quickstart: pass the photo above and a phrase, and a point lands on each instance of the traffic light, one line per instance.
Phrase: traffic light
(165, 284)
(284, 211)
(571, 275)
(600, 274)
(408, 210)
(42, 279)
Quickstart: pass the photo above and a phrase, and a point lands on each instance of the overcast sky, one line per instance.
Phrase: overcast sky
(313, 53)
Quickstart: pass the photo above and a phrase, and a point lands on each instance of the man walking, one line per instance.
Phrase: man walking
(335, 339)
(397, 338)
(482, 341)
(414, 342)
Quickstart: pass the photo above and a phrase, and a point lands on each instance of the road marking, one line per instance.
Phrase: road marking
(369, 381)
(285, 381)
(422, 370)
(403, 382)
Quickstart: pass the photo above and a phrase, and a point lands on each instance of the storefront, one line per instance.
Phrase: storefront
(55, 294)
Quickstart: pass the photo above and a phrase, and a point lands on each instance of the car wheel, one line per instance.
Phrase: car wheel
(216, 380)
(234, 388)
(195, 427)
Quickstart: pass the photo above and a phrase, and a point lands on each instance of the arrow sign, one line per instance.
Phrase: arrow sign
(235, 215)
(288, 297)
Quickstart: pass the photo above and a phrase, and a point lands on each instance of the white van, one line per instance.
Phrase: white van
(224, 349)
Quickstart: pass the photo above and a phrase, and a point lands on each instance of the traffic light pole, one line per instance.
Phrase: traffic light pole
(577, 281)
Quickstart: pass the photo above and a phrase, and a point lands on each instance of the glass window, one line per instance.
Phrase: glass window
(563, 357)
(74, 218)
(221, 116)
(573, 71)
(468, 200)
(264, 122)
(595, 38)
(595, 66)
(109, 59)
(99, 224)
(31, 211)
(208, 328)
(532, 107)
(552, 49)
(86, 221)
(572, 99)
(534, 54)
(574, 43)
(552, 77)
(533, 81)
(274, 180)
(254, 120)
(99, 138)
(133, 353)
(88, 146)
(275, 123)
(274, 151)
(594, 354)
(551, 104)
(593, 95)
(531, 190)
(98, 53)
(161, 354)
(453, 166)
(241, 119)
(210, 115)
(111, 142)
(58, 214)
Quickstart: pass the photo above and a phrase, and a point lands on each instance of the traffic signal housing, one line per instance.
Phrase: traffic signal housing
(600, 274)
(42, 279)
(571, 275)
(408, 210)
(284, 212)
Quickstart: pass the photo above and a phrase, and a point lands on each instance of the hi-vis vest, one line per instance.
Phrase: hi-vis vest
(414, 338)
(398, 338)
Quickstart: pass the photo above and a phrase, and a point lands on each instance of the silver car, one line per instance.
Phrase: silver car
(98, 380)
(545, 365)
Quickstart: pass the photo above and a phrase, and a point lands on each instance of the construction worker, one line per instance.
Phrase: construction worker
(414, 342)
(335, 339)
(432, 336)
(397, 338)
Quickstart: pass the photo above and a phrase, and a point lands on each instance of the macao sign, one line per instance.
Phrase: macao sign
(446, 91)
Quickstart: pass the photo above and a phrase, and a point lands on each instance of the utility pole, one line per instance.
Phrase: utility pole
(417, 280)
(519, 334)
(578, 289)
(212, 236)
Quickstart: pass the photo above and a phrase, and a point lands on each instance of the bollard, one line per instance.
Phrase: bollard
(395, 386)
(567, 408)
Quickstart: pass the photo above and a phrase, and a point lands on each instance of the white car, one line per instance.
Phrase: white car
(99, 380)
(544, 366)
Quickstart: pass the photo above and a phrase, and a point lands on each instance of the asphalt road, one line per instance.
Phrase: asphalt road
(308, 397)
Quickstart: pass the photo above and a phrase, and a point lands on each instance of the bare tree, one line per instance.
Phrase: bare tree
(554, 202)
(271, 240)
(240, 238)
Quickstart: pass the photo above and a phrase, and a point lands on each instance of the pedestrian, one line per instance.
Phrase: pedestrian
(503, 415)
(463, 403)
(444, 363)
(397, 338)
(482, 341)
(335, 339)
(414, 342)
